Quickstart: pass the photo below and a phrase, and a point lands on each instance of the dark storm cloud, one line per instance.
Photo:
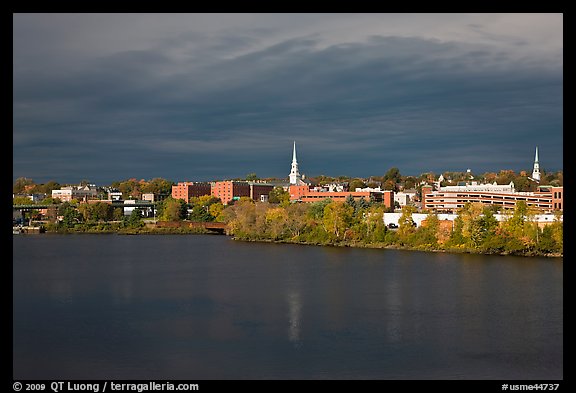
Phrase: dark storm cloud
(215, 105)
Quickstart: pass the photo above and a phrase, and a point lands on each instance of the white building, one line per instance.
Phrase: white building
(393, 218)
(150, 197)
(474, 186)
(114, 195)
(404, 197)
(368, 189)
(66, 194)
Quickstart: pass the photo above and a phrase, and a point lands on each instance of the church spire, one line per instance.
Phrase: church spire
(294, 174)
(536, 170)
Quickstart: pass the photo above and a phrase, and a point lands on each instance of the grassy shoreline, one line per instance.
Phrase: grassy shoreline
(398, 247)
(147, 230)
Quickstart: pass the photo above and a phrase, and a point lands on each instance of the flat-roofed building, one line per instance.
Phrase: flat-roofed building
(229, 190)
(297, 191)
(452, 198)
(186, 190)
(386, 197)
(260, 191)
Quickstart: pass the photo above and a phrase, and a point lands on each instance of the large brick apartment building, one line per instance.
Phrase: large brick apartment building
(229, 190)
(187, 190)
(450, 199)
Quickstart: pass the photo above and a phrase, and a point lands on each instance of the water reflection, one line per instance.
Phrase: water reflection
(295, 316)
(61, 290)
(122, 287)
(244, 311)
(393, 304)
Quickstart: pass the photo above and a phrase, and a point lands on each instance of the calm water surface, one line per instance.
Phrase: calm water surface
(207, 307)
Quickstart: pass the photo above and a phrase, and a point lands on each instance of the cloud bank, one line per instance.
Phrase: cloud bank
(201, 97)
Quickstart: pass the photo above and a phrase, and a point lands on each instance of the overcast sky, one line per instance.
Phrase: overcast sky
(186, 97)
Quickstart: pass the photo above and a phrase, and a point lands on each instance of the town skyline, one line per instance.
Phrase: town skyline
(214, 96)
(291, 179)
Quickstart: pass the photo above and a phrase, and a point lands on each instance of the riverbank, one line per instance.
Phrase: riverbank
(135, 231)
(454, 250)
(194, 228)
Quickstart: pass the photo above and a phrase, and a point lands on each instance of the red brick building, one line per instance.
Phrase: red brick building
(304, 194)
(257, 190)
(187, 190)
(230, 190)
(297, 192)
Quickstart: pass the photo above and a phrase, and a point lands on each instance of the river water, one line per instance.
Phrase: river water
(207, 307)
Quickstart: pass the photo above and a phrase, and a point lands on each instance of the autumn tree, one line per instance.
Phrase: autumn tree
(375, 230)
(172, 210)
(337, 218)
(406, 225)
(158, 186)
(277, 219)
(297, 218)
(99, 211)
(241, 218)
(427, 234)
(20, 185)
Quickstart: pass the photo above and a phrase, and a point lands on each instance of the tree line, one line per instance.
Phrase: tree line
(360, 223)
(391, 180)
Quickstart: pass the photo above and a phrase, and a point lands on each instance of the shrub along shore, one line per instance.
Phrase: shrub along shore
(359, 224)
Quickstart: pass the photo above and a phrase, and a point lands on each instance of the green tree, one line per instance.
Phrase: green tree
(350, 201)
(22, 200)
(393, 175)
(48, 187)
(201, 208)
(158, 186)
(316, 210)
(410, 182)
(135, 219)
(70, 215)
(99, 211)
(251, 177)
(51, 201)
(356, 183)
(172, 210)
(547, 244)
(118, 214)
(279, 196)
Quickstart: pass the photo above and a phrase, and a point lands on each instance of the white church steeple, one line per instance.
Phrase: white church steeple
(295, 177)
(536, 170)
